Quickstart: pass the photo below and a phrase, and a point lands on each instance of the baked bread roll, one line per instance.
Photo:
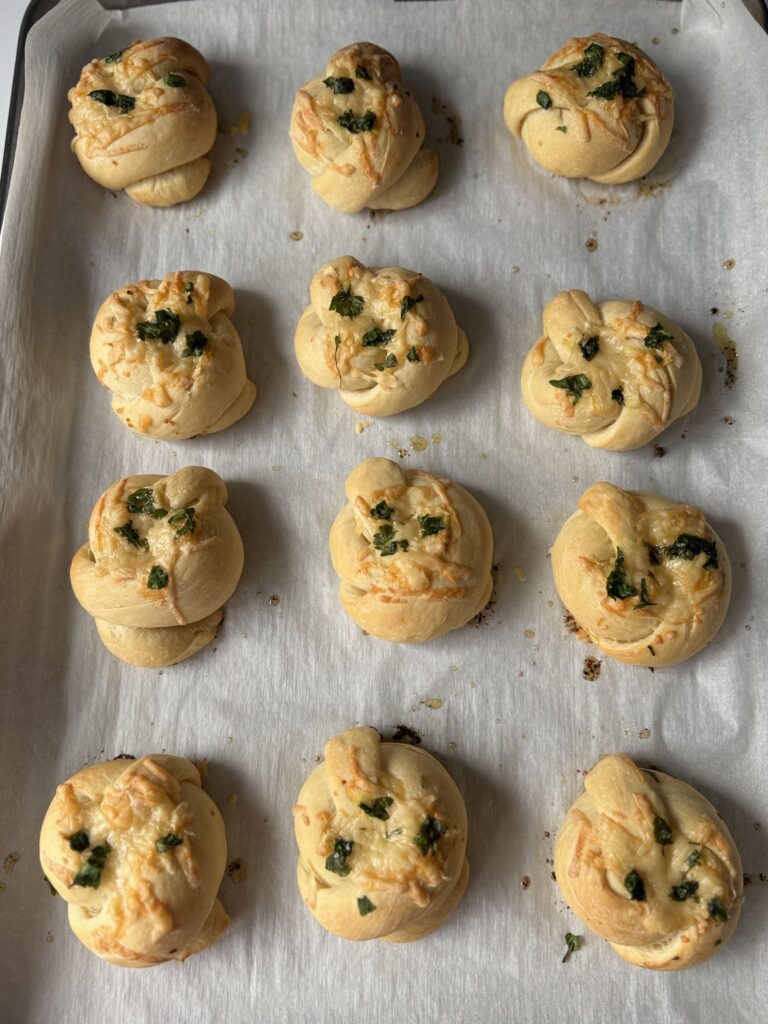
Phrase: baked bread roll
(144, 121)
(138, 850)
(360, 134)
(163, 555)
(647, 863)
(170, 355)
(599, 108)
(617, 373)
(382, 830)
(648, 580)
(413, 552)
(384, 337)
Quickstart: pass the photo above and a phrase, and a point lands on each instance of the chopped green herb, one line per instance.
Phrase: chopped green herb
(644, 602)
(346, 304)
(378, 808)
(338, 861)
(590, 348)
(689, 546)
(593, 59)
(143, 501)
(412, 355)
(388, 363)
(362, 73)
(377, 337)
(543, 99)
(430, 525)
(574, 385)
(656, 337)
(185, 516)
(164, 328)
(175, 81)
(407, 304)
(382, 510)
(429, 835)
(622, 84)
(79, 841)
(561, 128)
(114, 58)
(618, 396)
(339, 85)
(716, 910)
(616, 584)
(89, 875)
(385, 543)
(357, 125)
(196, 344)
(167, 842)
(573, 943)
(693, 859)
(158, 578)
(680, 893)
(365, 906)
(128, 533)
(662, 833)
(634, 885)
(113, 99)
(188, 290)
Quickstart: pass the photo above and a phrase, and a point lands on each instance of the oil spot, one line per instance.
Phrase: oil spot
(659, 452)
(363, 425)
(729, 264)
(591, 244)
(404, 734)
(232, 799)
(727, 346)
(274, 599)
(434, 703)
(237, 871)
(10, 862)
(437, 438)
(277, 469)
(515, 269)
(418, 443)
(592, 667)
(520, 574)
(297, 235)
(645, 733)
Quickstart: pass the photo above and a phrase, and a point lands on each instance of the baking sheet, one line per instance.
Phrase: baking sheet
(502, 702)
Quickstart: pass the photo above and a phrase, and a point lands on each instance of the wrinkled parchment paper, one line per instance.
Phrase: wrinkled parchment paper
(503, 703)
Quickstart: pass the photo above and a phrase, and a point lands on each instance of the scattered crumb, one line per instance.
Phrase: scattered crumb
(525, 881)
(727, 346)
(435, 703)
(202, 767)
(274, 599)
(437, 438)
(418, 443)
(520, 574)
(714, 310)
(277, 469)
(547, 835)
(297, 235)
(729, 420)
(515, 269)
(403, 453)
(230, 739)
(729, 264)
(404, 734)
(243, 125)
(757, 826)
(747, 880)
(237, 871)
(10, 862)
(571, 624)
(651, 189)
(452, 745)
(529, 633)
(659, 452)
(452, 120)
(49, 937)
(232, 799)
(489, 611)
(363, 425)
(645, 733)
(655, 40)
(2, 886)
(674, 31)
(591, 244)
(592, 668)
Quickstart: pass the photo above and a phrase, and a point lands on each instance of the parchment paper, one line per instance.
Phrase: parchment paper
(518, 722)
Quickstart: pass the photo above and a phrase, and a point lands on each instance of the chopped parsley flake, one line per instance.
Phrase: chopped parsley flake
(340, 85)
(346, 304)
(377, 337)
(407, 304)
(114, 58)
(574, 385)
(656, 337)
(338, 861)
(175, 81)
(412, 355)
(185, 516)
(365, 906)
(622, 84)
(142, 502)
(113, 99)
(644, 602)
(382, 510)
(167, 842)
(388, 363)
(635, 886)
(79, 841)
(662, 833)
(196, 344)
(158, 578)
(128, 533)
(429, 835)
(589, 348)
(680, 893)
(689, 546)
(617, 396)
(378, 808)
(89, 875)
(593, 59)
(385, 543)
(573, 943)
(164, 328)
(543, 99)
(716, 910)
(357, 125)
(360, 72)
(616, 584)
(430, 525)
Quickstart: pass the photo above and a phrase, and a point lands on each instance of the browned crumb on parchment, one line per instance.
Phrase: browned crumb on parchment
(659, 452)
(237, 871)
(525, 882)
(571, 624)
(485, 615)
(404, 734)
(452, 121)
(730, 353)
(10, 862)
(591, 244)
(296, 235)
(645, 733)
(592, 668)
(651, 189)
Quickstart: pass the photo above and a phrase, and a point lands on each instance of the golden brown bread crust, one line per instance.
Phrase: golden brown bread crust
(413, 552)
(647, 863)
(173, 389)
(640, 353)
(151, 135)
(163, 556)
(609, 140)
(380, 164)
(334, 350)
(381, 830)
(150, 901)
(664, 556)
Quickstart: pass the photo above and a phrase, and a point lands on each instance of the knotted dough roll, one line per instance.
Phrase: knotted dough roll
(413, 552)
(646, 578)
(384, 337)
(170, 355)
(647, 863)
(138, 850)
(360, 134)
(382, 830)
(599, 108)
(617, 373)
(144, 121)
(163, 555)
